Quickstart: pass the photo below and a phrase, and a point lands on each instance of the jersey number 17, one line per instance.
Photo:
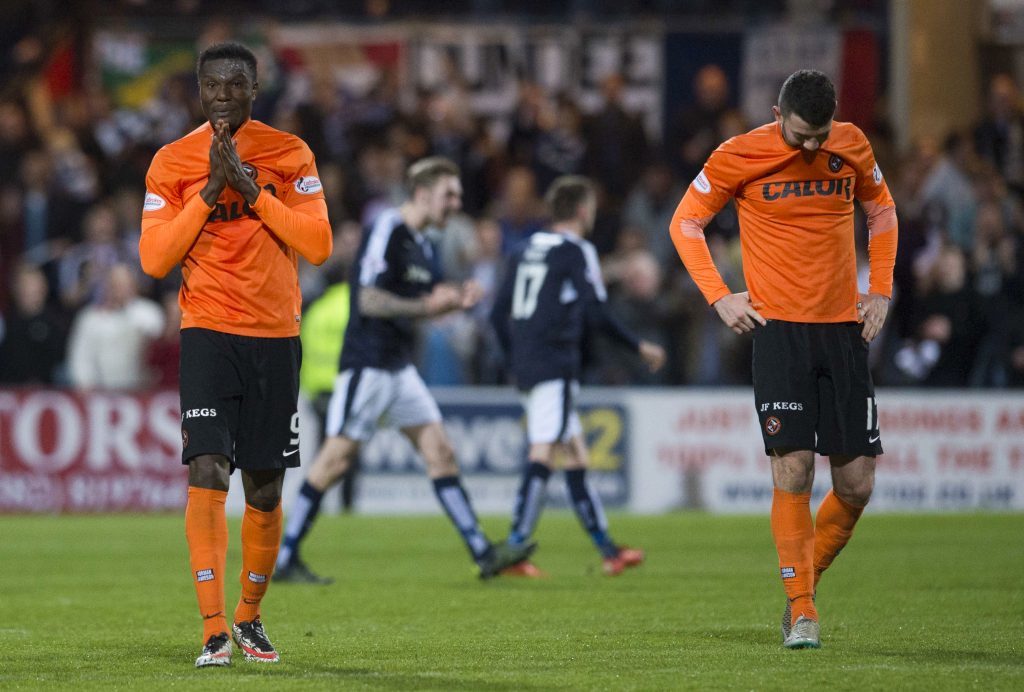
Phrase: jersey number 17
(529, 279)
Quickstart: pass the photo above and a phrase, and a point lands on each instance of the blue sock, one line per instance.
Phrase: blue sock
(587, 505)
(307, 506)
(529, 502)
(453, 498)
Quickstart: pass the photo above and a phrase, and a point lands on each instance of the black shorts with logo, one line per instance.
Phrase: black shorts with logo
(813, 388)
(239, 398)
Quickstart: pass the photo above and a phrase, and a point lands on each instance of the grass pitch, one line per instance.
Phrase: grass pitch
(915, 602)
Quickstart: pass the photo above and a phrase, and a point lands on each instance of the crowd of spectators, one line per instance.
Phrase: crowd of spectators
(75, 309)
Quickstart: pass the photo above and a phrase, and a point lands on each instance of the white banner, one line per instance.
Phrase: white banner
(944, 450)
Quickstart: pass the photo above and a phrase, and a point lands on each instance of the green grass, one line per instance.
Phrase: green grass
(922, 602)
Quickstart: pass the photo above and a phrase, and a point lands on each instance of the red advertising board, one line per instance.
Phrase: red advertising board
(63, 451)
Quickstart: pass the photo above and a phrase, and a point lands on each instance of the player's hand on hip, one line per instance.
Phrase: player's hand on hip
(653, 355)
(872, 308)
(234, 171)
(738, 313)
(472, 293)
(444, 298)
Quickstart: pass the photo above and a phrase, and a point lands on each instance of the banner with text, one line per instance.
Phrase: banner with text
(67, 452)
(943, 451)
(651, 450)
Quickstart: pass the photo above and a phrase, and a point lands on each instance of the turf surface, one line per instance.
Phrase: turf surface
(915, 602)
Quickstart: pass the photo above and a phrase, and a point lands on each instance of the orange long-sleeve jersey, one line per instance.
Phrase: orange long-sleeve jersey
(796, 223)
(239, 264)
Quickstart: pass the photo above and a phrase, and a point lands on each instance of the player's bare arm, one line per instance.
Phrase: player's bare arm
(234, 173)
(376, 302)
(738, 313)
(872, 308)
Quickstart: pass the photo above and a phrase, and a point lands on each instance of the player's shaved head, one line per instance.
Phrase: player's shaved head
(565, 196)
(228, 51)
(809, 94)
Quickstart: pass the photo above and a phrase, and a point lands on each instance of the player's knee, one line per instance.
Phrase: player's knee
(332, 461)
(210, 471)
(264, 501)
(440, 459)
(857, 492)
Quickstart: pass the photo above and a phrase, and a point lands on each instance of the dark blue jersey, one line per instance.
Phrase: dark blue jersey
(552, 294)
(396, 259)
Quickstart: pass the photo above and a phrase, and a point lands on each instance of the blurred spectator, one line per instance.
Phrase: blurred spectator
(649, 208)
(997, 283)
(949, 191)
(616, 143)
(47, 219)
(163, 354)
(16, 139)
(526, 123)
(636, 299)
(1015, 363)
(488, 270)
(560, 147)
(32, 336)
(107, 346)
(518, 210)
(948, 326)
(697, 129)
(999, 137)
(85, 266)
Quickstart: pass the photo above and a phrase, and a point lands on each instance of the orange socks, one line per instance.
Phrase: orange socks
(793, 531)
(206, 529)
(261, 537)
(832, 530)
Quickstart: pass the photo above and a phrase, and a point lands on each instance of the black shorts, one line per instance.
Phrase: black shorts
(239, 398)
(813, 389)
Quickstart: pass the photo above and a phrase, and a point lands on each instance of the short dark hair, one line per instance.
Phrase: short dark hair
(426, 172)
(811, 95)
(566, 194)
(228, 50)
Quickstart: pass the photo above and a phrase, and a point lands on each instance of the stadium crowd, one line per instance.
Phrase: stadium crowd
(75, 309)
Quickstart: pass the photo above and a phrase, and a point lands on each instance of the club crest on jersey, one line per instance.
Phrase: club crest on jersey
(250, 170)
(308, 185)
(834, 163)
(702, 183)
(153, 202)
(772, 425)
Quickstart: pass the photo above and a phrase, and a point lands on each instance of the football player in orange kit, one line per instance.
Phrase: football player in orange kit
(794, 181)
(235, 202)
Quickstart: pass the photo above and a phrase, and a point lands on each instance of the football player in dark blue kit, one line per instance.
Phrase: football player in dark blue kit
(395, 283)
(552, 296)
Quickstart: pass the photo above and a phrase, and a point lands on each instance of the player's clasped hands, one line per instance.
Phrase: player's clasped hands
(231, 164)
(738, 313)
(872, 309)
